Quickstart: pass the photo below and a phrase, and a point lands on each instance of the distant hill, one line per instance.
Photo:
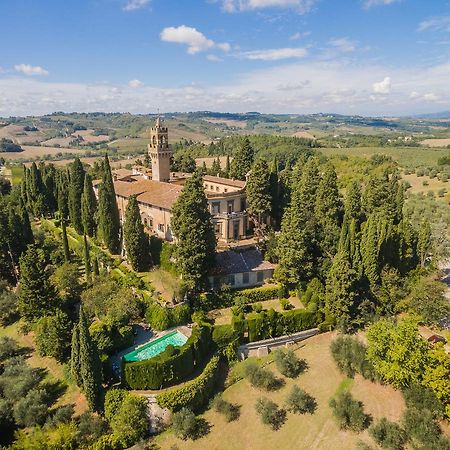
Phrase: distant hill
(438, 115)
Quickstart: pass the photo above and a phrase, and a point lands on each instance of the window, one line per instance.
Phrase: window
(245, 277)
(151, 223)
(217, 188)
(218, 228)
(231, 280)
(260, 276)
(225, 190)
(216, 207)
(230, 206)
(161, 227)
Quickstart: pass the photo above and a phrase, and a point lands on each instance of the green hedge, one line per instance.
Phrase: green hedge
(224, 335)
(194, 394)
(259, 294)
(160, 317)
(171, 366)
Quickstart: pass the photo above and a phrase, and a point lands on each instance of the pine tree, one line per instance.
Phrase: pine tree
(328, 211)
(76, 184)
(193, 229)
(37, 295)
(88, 207)
(424, 242)
(87, 260)
(135, 238)
(65, 241)
(340, 295)
(242, 160)
(75, 356)
(90, 365)
(108, 212)
(259, 198)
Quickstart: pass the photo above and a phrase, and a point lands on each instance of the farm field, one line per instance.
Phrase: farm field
(32, 152)
(405, 156)
(436, 142)
(434, 185)
(301, 432)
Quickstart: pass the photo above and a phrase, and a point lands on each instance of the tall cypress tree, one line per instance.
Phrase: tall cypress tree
(329, 211)
(65, 241)
(36, 191)
(87, 260)
(227, 167)
(216, 170)
(193, 229)
(242, 160)
(62, 189)
(424, 242)
(259, 197)
(75, 356)
(135, 238)
(352, 208)
(274, 183)
(27, 233)
(88, 207)
(37, 295)
(90, 365)
(108, 212)
(76, 184)
(370, 250)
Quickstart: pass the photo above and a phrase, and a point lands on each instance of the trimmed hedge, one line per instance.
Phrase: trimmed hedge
(171, 366)
(224, 335)
(260, 294)
(194, 394)
(160, 317)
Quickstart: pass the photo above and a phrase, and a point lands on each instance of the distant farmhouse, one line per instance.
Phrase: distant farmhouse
(157, 189)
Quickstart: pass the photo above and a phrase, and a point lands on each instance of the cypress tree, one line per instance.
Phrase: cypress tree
(193, 229)
(135, 238)
(242, 160)
(23, 186)
(88, 207)
(36, 191)
(108, 212)
(407, 246)
(62, 188)
(274, 183)
(37, 295)
(76, 184)
(259, 198)
(216, 170)
(95, 270)
(227, 167)
(87, 260)
(65, 241)
(352, 208)
(328, 211)
(204, 168)
(90, 365)
(75, 356)
(14, 233)
(370, 250)
(27, 233)
(424, 242)
(49, 182)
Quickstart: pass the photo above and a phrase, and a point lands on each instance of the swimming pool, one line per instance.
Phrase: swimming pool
(156, 347)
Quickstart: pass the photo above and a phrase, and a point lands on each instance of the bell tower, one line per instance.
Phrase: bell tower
(160, 152)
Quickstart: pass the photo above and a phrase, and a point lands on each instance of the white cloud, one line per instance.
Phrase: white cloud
(382, 87)
(440, 23)
(274, 54)
(133, 5)
(135, 84)
(370, 3)
(194, 39)
(30, 70)
(431, 97)
(213, 58)
(302, 6)
(298, 35)
(343, 45)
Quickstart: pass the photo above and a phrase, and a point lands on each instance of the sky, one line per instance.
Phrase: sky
(368, 57)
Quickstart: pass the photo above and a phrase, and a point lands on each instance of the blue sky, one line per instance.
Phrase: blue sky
(380, 57)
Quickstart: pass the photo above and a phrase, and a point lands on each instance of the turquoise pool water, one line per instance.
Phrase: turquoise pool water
(156, 347)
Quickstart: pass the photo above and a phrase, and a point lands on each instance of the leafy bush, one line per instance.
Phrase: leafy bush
(164, 370)
(229, 410)
(261, 378)
(8, 308)
(160, 317)
(349, 412)
(420, 397)
(8, 348)
(420, 427)
(113, 401)
(300, 402)
(32, 409)
(224, 335)
(288, 363)
(270, 413)
(388, 435)
(284, 303)
(193, 394)
(185, 425)
(257, 307)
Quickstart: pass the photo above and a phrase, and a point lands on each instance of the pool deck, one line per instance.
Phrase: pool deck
(146, 336)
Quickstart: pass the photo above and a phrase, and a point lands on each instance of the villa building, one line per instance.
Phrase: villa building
(157, 189)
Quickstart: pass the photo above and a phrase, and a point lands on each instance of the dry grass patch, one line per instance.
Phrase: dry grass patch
(313, 432)
(436, 142)
(417, 186)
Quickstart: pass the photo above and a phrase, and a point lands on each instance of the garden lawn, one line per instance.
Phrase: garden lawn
(312, 432)
(164, 282)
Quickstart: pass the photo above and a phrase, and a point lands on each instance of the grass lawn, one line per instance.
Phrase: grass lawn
(223, 316)
(405, 156)
(16, 174)
(55, 371)
(313, 432)
(164, 282)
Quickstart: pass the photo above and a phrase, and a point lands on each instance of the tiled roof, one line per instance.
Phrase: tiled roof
(225, 181)
(160, 194)
(128, 188)
(249, 260)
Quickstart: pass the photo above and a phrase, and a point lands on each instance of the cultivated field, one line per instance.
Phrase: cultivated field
(229, 123)
(416, 183)
(300, 432)
(436, 142)
(32, 152)
(17, 134)
(209, 161)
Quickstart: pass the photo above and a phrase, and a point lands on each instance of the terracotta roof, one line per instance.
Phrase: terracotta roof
(128, 188)
(225, 181)
(160, 194)
(249, 260)
(122, 173)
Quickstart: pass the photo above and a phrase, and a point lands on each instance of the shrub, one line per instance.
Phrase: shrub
(349, 412)
(288, 363)
(193, 394)
(388, 434)
(8, 348)
(421, 428)
(184, 424)
(284, 303)
(8, 308)
(259, 294)
(300, 402)
(224, 335)
(270, 413)
(420, 397)
(113, 401)
(261, 378)
(160, 317)
(31, 410)
(230, 411)
(257, 307)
